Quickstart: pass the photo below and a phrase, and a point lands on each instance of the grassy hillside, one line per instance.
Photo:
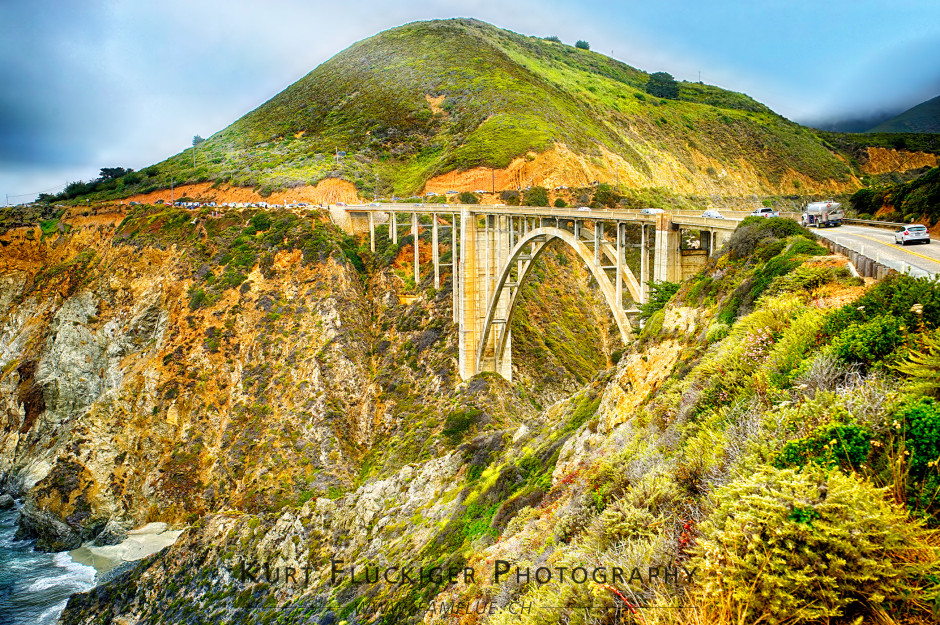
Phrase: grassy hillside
(914, 200)
(432, 97)
(925, 117)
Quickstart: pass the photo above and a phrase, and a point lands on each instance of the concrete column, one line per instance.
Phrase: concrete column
(434, 252)
(372, 231)
(454, 274)
(502, 363)
(414, 233)
(666, 264)
(468, 315)
(393, 229)
(512, 231)
(486, 258)
(644, 266)
(619, 265)
(598, 226)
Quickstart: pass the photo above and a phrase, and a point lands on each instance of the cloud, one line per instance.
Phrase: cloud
(97, 83)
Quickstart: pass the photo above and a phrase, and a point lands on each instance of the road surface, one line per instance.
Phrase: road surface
(878, 244)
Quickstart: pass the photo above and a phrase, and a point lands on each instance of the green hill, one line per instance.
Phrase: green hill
(925, 117)
(433, 97)
(916, 200)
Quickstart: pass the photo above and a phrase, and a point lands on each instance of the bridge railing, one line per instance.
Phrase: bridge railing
(569, 212)
(891, 225)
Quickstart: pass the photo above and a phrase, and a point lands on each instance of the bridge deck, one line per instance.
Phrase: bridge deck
(686, 218)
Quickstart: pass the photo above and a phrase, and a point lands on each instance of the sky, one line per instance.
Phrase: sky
(88, 84)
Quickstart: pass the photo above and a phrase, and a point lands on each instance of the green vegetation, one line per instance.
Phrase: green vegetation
(366, 115)
(536, 196)
(663, 85)
(916, 200)
(660, 292)
(772, 441)
(750, 554)
(466, 197)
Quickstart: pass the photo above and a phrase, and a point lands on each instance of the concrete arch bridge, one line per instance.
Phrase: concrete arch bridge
(494, 249)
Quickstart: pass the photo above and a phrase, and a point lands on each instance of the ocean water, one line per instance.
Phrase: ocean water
(34, 587)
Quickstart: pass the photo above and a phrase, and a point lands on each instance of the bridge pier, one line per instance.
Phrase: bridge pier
(666, 265)
(454, 273)
(414, 234)
(435, 253)
(372, 231)
(644, 267)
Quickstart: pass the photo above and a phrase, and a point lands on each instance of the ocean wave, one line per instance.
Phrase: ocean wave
(51, 615)
(79, 576)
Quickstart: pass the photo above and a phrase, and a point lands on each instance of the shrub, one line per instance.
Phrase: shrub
(833, 445)
(805, 278)
(536, 196)
(663, 85)
(924, 366)
(553, 38)
(796, 342)
(468, 198)
(510, 197)
(458, 423)
(197, 298)
(768, 250)
(583, 45)
(914, 302)
(746, 239)
(779, 227)
(921, 421)
(560, 203)
(717, 332)
(606, 195)
(784, 544)
(660, 292)
(754, 232)
(869, 342)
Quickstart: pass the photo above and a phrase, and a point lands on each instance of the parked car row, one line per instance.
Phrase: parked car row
(193, 205)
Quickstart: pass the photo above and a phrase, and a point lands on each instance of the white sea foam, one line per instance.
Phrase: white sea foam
(51, 615)
(78, 576)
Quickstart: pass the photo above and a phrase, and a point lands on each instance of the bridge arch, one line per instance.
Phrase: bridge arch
(538, 240)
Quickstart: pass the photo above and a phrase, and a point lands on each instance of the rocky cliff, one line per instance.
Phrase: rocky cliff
(164, 364)
(683, 476)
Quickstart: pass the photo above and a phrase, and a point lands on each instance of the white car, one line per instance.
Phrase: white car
(712, 214)
(584, 208)
(912, 234)
(765, 212)
(652, 211)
